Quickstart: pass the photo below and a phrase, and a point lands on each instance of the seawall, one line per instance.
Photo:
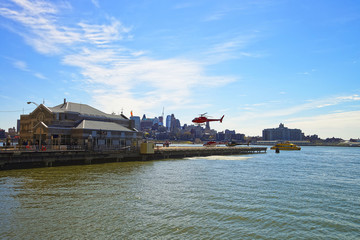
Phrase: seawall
(31, 159)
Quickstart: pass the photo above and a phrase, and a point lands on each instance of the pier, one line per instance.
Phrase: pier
(31, 159)
(182, 152)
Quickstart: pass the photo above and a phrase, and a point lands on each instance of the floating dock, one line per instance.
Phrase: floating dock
(30, 159)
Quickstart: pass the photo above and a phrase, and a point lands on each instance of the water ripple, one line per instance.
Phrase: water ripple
(312, 194)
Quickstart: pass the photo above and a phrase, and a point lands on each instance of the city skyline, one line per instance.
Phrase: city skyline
(259, 63)
(168, 123)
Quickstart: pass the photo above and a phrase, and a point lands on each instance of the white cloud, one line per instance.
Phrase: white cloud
(310, 105)
(344, 124)
(307, 72)
(39, 75)
(43, 30)
(101, 34)
(215, 16)
(96, 3)
(143, 83)
(115, 75)
(233, 48)
(24, 67)
(253, 118)
(20, 65)
(220, 14)
(111, 71)
(40, 27)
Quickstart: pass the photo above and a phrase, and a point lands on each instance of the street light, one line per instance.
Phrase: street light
(40, 128)
(33, 103)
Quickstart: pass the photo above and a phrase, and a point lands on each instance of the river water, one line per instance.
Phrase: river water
(309, 194)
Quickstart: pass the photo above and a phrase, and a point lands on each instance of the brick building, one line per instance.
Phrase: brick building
(77, 124)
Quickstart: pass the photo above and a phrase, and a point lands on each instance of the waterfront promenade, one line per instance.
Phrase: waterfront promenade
(29, 159)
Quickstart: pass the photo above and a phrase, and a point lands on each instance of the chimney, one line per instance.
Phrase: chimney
(64, 100)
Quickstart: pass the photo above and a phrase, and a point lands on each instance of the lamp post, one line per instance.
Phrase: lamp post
(33, 103)
(40, 128)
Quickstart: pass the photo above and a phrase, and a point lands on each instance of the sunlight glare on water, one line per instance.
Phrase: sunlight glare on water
(225, 158)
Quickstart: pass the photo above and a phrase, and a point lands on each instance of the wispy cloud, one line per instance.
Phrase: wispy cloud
(215, 16)
(221, 13)
(273, 110)
(307, 72)
(103, 34)
(184, 5)
(115, 75)
(233, 48)
(312, 104)
(142, 82)
(339, 124)
(39, 25)
(20, 65)
(255, 117)
(96, 3)
(23, 66)
(43, 30)
(40, 76)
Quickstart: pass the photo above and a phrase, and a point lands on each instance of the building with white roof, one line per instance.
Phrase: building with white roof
(74, 124)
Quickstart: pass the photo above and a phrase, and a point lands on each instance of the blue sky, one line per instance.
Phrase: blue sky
(260, 63)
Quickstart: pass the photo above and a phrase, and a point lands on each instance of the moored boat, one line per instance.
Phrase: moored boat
(285, 146)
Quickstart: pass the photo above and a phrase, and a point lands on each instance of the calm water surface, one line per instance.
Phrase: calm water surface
(309, 194)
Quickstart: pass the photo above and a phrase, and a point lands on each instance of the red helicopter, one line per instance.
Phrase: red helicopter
(204, 119)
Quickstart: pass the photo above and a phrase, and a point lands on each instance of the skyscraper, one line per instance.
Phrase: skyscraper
(168, 122)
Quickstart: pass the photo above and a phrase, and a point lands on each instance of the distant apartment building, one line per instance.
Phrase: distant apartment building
(230, 135)
(282, 133)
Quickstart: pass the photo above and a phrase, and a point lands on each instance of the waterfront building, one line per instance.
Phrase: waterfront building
(282, 133)
(77, 125)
